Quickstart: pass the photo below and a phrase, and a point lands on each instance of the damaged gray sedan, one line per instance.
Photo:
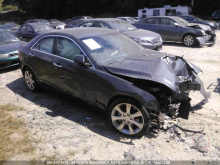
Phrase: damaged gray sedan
(113, 73)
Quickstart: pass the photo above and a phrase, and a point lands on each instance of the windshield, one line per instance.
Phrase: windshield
(7, 37)
(111, 47)
(181, 21)
(42, 27)
(120, 25)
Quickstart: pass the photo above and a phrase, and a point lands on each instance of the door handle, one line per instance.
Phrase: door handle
(57, 65)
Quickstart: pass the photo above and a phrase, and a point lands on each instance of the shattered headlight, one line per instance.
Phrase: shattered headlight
(4, 55)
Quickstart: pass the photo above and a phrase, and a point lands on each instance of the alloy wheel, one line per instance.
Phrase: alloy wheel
(127, 118)
(29, 80)
(188, 40)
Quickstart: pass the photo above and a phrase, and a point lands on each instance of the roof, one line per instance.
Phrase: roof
(81, 32)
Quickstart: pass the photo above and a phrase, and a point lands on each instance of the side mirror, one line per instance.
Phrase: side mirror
(80, 59)
(176, 24)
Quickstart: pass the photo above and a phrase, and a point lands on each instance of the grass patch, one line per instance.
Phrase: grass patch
(14, 137)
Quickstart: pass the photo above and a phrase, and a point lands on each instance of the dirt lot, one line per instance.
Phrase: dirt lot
(67, 129)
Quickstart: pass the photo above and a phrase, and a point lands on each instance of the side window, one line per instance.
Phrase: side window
(29, 29)
(101, 25)
(67, 48)
(165, 21)
(45, 45)
(87, 24)
(152, 21)
(144, 11)
(156, 12)
(23, 28)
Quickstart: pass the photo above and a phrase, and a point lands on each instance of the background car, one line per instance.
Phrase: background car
(56, 24)
(28, 31)
(37, 21)
(10, 26)
(128, 19)
(176, 29)
(9, 45)
(216, 16)
(193, 19)
(111, 72)
(145, 38)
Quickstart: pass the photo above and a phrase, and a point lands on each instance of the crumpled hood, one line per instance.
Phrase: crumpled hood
(10, 47)
(154, 66)
(141, 34)
(200, 26)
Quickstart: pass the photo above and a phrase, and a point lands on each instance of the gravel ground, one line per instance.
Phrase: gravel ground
(70, 130)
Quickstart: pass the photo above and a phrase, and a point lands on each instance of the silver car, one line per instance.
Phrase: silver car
(147, 39)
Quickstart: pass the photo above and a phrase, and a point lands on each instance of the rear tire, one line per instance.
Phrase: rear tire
(30, 80)
(128, 117)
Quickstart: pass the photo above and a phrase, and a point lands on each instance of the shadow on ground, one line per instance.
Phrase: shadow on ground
(215, 86)
(8, 69)
(73, 109)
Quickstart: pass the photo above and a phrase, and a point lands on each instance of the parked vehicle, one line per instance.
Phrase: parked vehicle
(28, 31)
(193, 19)
(37, 21)
(128, 19)
(216, 16)
(176, 29)
(56, 24)
(167, 10)
(10, 26)
(73, 23)
(81, 17)
(113, 73)
(9, 45)
(145, 38)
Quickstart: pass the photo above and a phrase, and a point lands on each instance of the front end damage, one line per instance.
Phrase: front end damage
(176, 103)
(168, 78)
(209, 36)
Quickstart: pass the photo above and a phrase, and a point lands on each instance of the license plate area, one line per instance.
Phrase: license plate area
(190, 86)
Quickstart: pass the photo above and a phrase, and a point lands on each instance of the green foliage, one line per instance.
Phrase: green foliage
(70, 8)
(6, 7)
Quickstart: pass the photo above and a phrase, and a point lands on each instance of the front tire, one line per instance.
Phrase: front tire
(30, 80)
(189, 40)
(128, 117)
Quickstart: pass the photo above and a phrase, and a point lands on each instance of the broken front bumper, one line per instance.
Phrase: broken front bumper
(206, 40)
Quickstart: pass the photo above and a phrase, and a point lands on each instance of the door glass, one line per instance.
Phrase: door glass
(29, 29)
(165, 21)
(45, 45)
(88, 24)
(67, 48)
(152, 21)
(23, 29)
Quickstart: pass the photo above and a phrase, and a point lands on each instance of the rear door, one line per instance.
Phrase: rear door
(151, 24)
(40, 59)
(168, 31)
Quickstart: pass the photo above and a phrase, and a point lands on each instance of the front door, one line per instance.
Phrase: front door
(71, 77)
